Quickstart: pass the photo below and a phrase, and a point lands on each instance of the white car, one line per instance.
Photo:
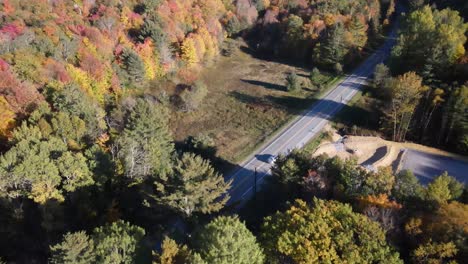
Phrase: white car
(272, 159)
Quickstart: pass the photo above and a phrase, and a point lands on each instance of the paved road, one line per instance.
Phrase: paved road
(306, 126)
(427, 166)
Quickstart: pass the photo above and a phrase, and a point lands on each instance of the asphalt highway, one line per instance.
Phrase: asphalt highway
(304, 127)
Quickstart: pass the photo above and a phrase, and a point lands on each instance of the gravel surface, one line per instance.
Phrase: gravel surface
(427, 166)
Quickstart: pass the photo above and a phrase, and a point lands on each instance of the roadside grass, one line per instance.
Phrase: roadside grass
(247, 103)
(315, 142)
(361, 116)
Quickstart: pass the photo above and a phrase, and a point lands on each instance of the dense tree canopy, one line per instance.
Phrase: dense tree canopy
(118, 242)
(194, 186)
(329, 232)
(403, 93)
(145, 146)
(91, 173)
(41, 166)
(101, 46)
(431, 41)
(330, 32)
(227, 240)
(430, 59)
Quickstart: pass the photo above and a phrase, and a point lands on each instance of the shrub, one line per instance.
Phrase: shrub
(316, 76)
(292, 82)
(193, 96)
(338, 68)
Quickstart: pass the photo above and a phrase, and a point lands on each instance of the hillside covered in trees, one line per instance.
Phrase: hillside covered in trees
(111, 48)
(420, 93)
(90, 171)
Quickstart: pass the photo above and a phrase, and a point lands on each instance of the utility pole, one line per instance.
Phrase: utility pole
(255, 182)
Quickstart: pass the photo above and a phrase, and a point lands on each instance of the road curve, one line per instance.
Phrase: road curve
(304, 127)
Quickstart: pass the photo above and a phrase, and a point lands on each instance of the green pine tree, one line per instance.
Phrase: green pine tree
(292, 82)
(134, 66)
(332, 49)
(119, 242)
(194, 186)
(75, 248)
(226, 240)
(145, 145)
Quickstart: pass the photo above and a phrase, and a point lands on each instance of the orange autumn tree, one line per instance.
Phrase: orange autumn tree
(381, 209)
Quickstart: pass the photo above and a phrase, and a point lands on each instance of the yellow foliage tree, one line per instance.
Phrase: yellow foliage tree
(329, 19)
(90, 47)
(95, 88)
(200, 47)
(41, 192)
(211, 44)
(150, 59)
(189, 53)
(7, 117)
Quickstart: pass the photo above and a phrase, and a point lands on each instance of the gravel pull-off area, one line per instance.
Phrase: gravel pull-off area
(373, 152)
(426, 166)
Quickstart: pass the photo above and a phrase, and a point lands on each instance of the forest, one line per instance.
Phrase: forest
(90, 171)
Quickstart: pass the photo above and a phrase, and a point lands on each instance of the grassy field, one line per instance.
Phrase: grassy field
(246, 103)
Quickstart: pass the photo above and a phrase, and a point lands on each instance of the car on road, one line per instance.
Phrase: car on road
(272, 159)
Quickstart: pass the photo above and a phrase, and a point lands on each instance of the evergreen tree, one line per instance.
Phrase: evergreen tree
(152, 29)
(381, 74)
(454, 125)
(119, 242)
(294, 37)
(444, 188)
(438, 190)
(316, 76)
(145, 146)
(226, 240)
(71, 129)
(194, 186)
(430, 41)
(292, 82)
(332, 49)
(41, 167)
(202, 145)
(134, 66)
(75, 248)
(72, 100)
(407, 187)
(289, 170)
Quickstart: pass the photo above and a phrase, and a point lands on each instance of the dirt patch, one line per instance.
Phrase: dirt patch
(375, 151)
